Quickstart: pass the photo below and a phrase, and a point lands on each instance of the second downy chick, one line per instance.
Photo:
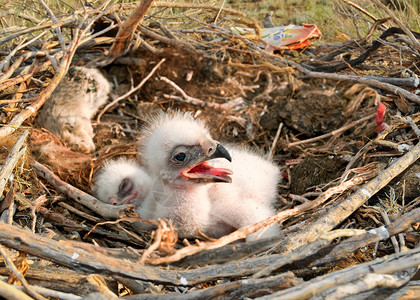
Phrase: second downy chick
(121, 182)
(68, 112)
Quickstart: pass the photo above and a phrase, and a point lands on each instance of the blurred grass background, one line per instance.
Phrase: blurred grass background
(336, 19)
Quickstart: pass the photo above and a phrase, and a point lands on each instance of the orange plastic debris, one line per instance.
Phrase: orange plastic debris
(290, 37)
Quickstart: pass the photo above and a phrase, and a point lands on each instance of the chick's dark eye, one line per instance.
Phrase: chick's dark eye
(180, 156)
(126, 185)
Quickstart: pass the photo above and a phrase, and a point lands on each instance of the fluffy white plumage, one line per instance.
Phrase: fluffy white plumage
(122, 182)
(167, 131)
(175, 150)
(197, 195)
(251, 196)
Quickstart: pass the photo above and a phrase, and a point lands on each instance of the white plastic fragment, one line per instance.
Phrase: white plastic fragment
(381, 231)
(403, 147)
(364, 191)
(184, 281)
(31, 108)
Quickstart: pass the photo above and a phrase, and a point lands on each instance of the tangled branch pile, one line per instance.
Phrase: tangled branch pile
(349, 197)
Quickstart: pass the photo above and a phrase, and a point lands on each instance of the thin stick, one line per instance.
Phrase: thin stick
(29, 74)
(359, 79)
(400, 24)
(19, 276)
(218, 13)
(189, 99)
(103, 209)
(126, 32)
(54, 294)
(9, 164)
(274, 144)
(79, 212)
(157, 240)
(8, 291)
(23, 45)
(244, 19)
(139, 86)
(54, 20)
(66, 21)
(12, 68)
(351, 3)
(333, 133)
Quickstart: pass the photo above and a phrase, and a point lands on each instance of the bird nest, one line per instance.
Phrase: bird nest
(344, 133)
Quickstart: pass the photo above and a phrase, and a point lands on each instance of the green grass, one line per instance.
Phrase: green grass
(334, 18)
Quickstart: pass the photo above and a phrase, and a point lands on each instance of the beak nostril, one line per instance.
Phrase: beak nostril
(210, 150)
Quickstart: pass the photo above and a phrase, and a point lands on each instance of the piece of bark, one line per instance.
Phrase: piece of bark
(369, 282)
(60, 280)
(54, 294)
(36, 273)
(54, 216)
(227, 253)
(342, 250)
(386, 265)
(138, 286)
(17, 276)
(89, 258)
(232, 290)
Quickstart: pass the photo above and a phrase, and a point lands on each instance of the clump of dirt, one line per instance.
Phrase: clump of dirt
(407, 184)
(315, 172)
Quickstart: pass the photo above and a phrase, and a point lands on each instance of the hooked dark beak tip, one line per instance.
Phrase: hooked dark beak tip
(221, 152)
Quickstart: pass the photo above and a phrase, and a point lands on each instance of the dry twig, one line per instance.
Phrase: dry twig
(17, 151)
(10, 292)
(126, 32)
(192, 100)
(139, 86)
(333, 133)
(103, 209)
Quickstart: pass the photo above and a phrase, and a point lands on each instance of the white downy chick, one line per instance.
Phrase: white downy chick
(121, 182)
(251, 196)
(68, 112)
(195, 193)
(176, 149)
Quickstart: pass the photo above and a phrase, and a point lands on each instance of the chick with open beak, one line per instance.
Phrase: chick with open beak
(198, 168)
(176, 150)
